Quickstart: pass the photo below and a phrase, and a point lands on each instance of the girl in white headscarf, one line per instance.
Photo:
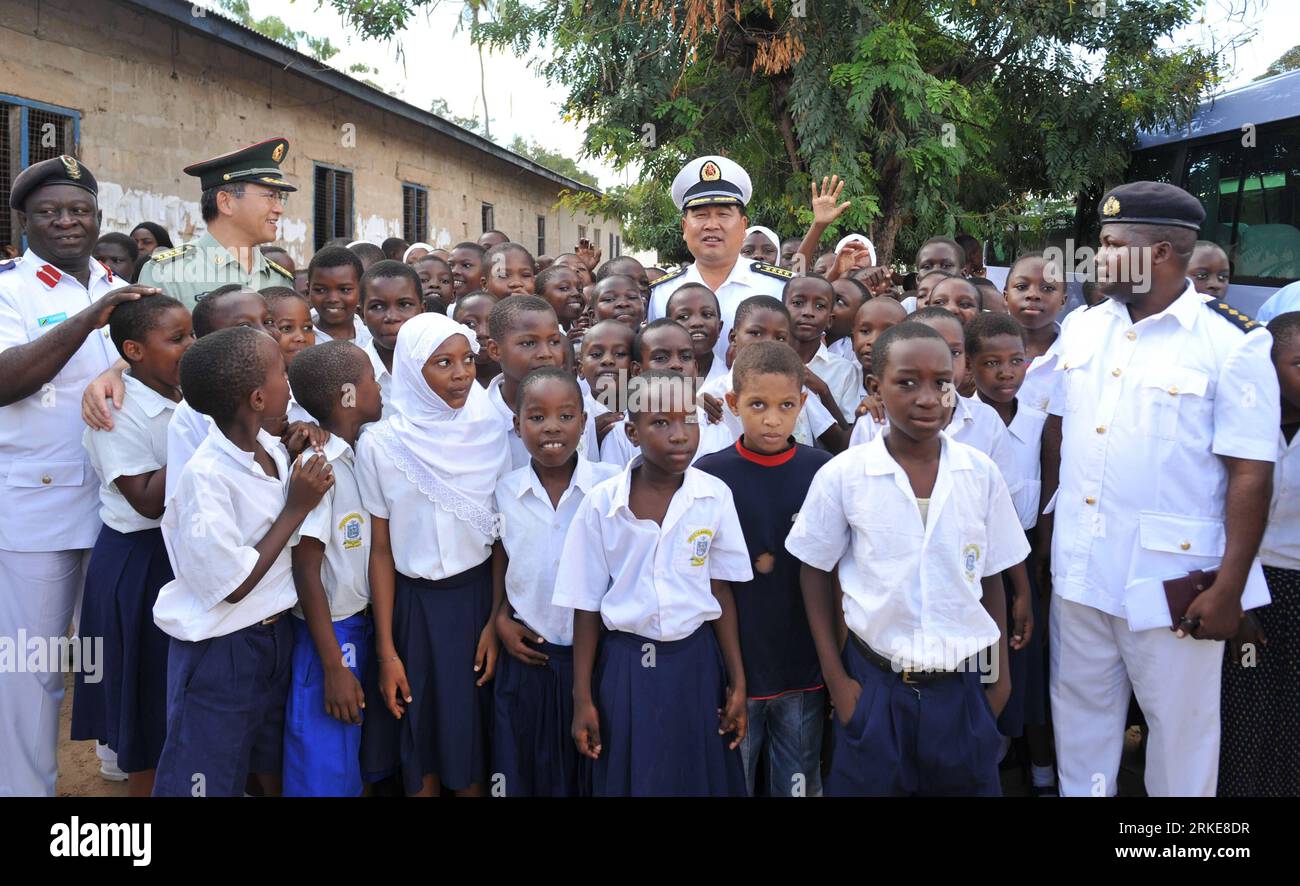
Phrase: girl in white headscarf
(761, 244)
(428, 476)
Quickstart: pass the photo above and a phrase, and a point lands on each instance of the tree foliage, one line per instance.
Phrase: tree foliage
(941, 115)
(1287, 61)
(553, 160)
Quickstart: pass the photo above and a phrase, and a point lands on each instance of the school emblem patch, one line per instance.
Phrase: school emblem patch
(1110, 207)
(710, 172)
(970, 557)
(699, 541)
(350, 527)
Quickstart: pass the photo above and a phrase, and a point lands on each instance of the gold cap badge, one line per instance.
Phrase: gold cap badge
(278, 154)
(70, 164)
(710, 172)
(1110, 207)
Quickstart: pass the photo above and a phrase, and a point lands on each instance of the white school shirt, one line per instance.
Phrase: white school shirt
(427, 541)
(1040, 383)
(383, 377)
(912, 588)
(1147, 410)
(587, 443)
(223, 506)
(136, 445)
(843, 347)
(361, 331)
(51, 493)
(1281, 544)
(616, 449)
(186, 432)
(813, 420)
(843, 377)
(532, 533)
(649, 579)
(340, 522)
(741, 283)
(1025, 445)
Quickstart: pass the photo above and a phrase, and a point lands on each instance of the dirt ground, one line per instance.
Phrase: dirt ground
(78, 766)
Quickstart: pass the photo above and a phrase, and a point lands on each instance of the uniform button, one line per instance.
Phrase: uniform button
(1101, 429)
(1117, 372)
(1186, 546)
(1090, 500)
(47, 479)
(1131, 335)
(1173, 390)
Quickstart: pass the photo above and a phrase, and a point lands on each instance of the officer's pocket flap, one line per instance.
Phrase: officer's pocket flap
(1176, 380)
(36, 472)
(1174, 534)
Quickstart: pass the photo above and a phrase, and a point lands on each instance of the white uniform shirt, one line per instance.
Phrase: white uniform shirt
(648, 579)
(186, 432)
(519, 457)
(843, 377)
(532, 533)
(383, 377)
(813, 421)
(51, 493)
(1281, 544)
(912, 589)
(136, 445)
(340, 522)
(362, 333)
(741, 283)
(616, 449)
(1147, 410)
(1039, 384)
(843, 347)
(1025, 445)
(427, 541)
(224, 505)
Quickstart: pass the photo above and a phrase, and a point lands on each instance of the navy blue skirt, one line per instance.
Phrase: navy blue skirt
(533, 754)
(445, 730)
(1027, 705)
(658, 704)
(126, 708)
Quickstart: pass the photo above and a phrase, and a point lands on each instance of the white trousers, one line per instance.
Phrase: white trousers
(38, 593)
(1095, 662)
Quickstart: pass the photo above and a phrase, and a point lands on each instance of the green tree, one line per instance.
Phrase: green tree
(1287, 61)
(941, 115)
(473, 122)
(553, 160)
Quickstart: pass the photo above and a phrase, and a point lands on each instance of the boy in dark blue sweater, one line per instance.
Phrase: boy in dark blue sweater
(769, 475)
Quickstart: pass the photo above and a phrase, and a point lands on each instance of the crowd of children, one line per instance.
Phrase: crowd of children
(462, 521)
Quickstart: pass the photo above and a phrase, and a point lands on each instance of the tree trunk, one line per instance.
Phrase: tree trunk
(885, 231)
(781, 108)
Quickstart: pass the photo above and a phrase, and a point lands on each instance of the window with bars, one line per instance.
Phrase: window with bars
(415, 213)
(29, 133)
(332, 204)
(489, 218)
(541, 235)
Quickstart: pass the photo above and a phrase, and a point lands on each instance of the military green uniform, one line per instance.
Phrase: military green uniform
(202, 265)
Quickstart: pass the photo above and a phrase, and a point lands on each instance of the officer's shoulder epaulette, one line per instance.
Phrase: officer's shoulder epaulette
(762, 267)
(279, 269)
(1232, 315)
(168, 254)
(671, 275)
(1102, 302)
(8, 265)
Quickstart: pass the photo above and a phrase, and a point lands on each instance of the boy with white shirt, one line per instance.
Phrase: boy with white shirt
(834, 380)
(227, 528)
(919, 527)
(390, 295)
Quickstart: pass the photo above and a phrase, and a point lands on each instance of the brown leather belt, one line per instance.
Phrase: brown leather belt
(909, 676)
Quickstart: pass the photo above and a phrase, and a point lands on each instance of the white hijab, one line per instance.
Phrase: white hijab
(453, 456)
(414, 246)
(858, 238)
(769, 234)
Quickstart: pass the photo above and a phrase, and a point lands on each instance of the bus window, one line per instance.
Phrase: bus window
(1154, 165)
(1213, 175)
(1268, 229)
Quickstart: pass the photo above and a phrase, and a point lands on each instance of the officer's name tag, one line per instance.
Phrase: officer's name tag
(51, 319)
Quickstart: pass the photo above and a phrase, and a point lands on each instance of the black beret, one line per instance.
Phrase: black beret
(61, 170)
(1151, 203)
(259, 163)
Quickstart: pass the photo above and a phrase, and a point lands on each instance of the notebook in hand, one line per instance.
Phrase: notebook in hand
(1180, 592)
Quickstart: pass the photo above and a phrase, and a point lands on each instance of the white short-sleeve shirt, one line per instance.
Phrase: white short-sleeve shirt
(136, 445)
(223, 506)
(1025, 445)
(588, 446)
(427, 541)
(383, 377)
(842, 376)
(912, 589)
(341, 524)
(361, 338)
(186, 432)
(650, 579)
(1147, 411)
(51, 492)
(1281, 544)
(741, 283)
(532, 533)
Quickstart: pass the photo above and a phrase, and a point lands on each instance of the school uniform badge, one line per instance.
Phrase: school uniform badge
(970, 557)
(700, 540)
(350, 526)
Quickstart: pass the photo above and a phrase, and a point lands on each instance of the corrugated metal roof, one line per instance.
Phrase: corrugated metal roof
(1262, 101)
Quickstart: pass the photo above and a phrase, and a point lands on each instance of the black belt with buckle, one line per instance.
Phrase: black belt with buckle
(271, 619)
(909, 676)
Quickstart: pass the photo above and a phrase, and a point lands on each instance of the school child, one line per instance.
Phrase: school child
(649, 554)
(473, 310)
(695, 306)
(628, 267)
(435, 283)
(390, 295)
(417, 251)
(334, 288)
(525, 336)
(559, 286)
(850, 295)
(662, 344)
(939, 254)
(227, 529)
(533, 752)
(291, 315)
(760, 318)
(618, 297)
(119, 254)
(1261, 666)
(995, 347)
(427, 475)
(990, 296)
(468, 273)
(761, 244)
(834, 380)
(604, 366)
(958, 295)
(333, 638)
(1035, 296)
(509, 269)
(768, 475)
(367, 253)
(571, 261)
(917, 527)
(127, 709)
(1209, 270)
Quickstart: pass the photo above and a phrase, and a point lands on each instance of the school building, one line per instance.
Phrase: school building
(139, 89)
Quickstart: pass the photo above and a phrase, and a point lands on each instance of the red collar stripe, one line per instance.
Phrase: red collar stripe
(49, 275)
(767, 461)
